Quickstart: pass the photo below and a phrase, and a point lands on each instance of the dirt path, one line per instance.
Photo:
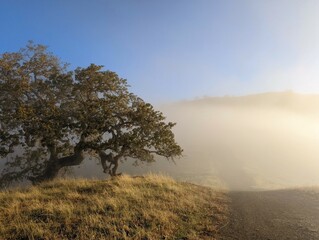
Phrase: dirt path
(273, 215)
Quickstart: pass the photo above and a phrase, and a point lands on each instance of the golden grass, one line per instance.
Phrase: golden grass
(148, 207)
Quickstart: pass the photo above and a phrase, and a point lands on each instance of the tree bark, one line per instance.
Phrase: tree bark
(113, 160)
(55, 164)
(112, 171)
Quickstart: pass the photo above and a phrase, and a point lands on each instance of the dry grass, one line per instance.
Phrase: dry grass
(311, 190)
(149, 207)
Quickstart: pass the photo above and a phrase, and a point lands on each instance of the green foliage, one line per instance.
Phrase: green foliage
(52, 116)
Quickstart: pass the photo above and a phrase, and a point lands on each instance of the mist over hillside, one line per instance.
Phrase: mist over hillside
(284, 101)
(261, 141)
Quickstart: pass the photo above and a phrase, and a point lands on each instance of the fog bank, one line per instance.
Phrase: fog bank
(255, 142)
(263, 141)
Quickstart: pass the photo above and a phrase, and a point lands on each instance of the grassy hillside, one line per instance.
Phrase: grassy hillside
(150, 207)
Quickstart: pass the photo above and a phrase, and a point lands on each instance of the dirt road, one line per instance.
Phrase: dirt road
(273, 215)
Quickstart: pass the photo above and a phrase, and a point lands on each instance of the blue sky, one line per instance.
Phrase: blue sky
(182, 49)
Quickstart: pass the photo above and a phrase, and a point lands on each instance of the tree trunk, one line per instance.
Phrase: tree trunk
(112, 171)
(56, 164)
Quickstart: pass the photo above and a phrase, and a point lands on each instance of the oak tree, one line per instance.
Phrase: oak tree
(52, 117)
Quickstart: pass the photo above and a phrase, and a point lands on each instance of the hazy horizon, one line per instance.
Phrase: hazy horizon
(252, 142)
(84, 84)
(177, 55)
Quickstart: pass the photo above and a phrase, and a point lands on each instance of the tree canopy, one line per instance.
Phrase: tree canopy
(51, 118)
